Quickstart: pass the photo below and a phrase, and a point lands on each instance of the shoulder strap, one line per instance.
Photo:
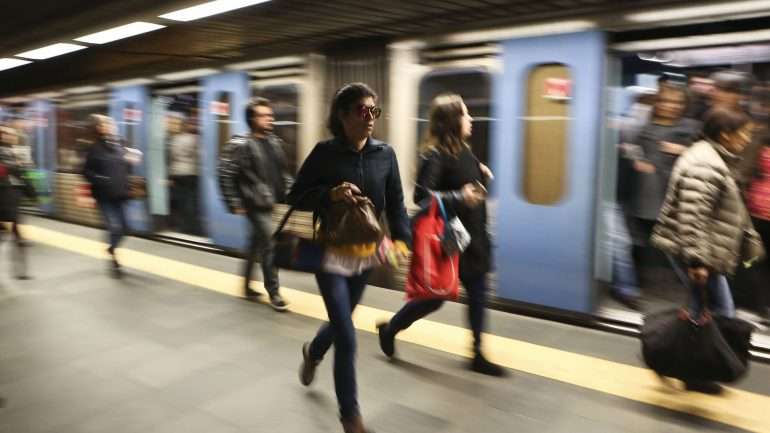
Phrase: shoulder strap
(291, 210)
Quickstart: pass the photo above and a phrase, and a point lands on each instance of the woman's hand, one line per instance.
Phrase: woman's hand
(345, 191)
(472, 195)
(486, 172)
(698, 275)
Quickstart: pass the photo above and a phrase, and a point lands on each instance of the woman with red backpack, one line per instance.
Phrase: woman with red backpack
(451, 172)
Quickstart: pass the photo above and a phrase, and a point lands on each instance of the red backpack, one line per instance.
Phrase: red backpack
(432, 274)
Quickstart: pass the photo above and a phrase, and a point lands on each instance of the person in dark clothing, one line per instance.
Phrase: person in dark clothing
(258, 180)
(450, 169)
(350, 165)
(107, 169)
(11, 176)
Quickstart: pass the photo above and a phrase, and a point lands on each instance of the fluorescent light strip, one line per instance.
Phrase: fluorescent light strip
(267, 63)
(695, 41)
(83, 89)
(121, 32)
(131, 82)
(558, 27)
(730, 8)
(187, 75)
(208, 9)
(51, 51)
(8, 63)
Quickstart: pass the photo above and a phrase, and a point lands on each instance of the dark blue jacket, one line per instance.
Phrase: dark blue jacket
(374, 170)
(107, 171)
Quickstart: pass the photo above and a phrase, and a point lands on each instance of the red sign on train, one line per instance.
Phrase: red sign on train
(558, 88)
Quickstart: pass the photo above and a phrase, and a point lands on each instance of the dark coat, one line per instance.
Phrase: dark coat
(446, 174)
(10, 173)
(374, 170)
(253, 173)
(107, 170)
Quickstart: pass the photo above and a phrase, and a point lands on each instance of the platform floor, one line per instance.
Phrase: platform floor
(170, 348)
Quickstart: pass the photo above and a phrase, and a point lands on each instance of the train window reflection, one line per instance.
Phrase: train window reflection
(545, 134)
(73, 134)
(474, 87)
(285, 100)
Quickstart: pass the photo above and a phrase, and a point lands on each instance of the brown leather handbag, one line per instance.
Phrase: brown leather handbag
(346, 223)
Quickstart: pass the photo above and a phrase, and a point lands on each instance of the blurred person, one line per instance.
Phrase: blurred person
(704, 224)
(350, 164)
(657, 148)
(183, 150)
(730, 91)
(257, 180)
(11, 177)
(107, 169)
(700, 87)
(449, 168)
(758, 200)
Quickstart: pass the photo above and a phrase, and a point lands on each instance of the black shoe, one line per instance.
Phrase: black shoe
(307, 369)
(23, 277)
(631, 302)
(251, 294)
(484, 366)
(277, 302)
(387, 341)
(704, 387)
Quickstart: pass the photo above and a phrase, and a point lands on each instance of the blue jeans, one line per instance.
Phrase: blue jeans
(718, 296)
(475, 287)
(340, 295)
(261, 244)
(114, 220)
(624, 280)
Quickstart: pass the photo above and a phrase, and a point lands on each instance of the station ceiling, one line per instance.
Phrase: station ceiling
(279, 27)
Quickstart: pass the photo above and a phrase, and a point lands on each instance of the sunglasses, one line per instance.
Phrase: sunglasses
(365, 111)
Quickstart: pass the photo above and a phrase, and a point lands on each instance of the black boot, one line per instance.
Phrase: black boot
(387, 340)
(482, 365)
(703, 386)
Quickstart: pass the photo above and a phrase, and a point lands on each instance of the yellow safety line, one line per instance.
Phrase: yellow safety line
(746, 410)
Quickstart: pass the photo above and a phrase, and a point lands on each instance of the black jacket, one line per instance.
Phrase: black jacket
(10, 175)
(252, 176)
(446, 174)
(107, 170)
(374, 170)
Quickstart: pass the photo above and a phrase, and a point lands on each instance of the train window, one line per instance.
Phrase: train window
(73, 135)
(285, 102)
(221, 108)
(474, 87)
(545, 133)
(22, 138)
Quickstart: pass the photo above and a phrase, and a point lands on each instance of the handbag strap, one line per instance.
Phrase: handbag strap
(292, 208)
(441, 207)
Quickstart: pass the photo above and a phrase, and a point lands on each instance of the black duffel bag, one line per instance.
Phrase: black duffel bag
(707, 349)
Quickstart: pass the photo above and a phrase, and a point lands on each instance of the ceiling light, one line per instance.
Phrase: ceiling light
(82, 89)
(120, 32)
(730, 8)
(557, 27)
(187, 75)
(7, 63)
(694, 41)
(267, 63)
(208, 9)
(51, 51)
(131, 82)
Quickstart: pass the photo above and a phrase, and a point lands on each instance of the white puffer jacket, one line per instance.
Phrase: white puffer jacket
(704, 220)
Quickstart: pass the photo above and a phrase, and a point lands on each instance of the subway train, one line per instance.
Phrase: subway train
(545, 100)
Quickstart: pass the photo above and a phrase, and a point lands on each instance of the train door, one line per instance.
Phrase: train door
(548, 103)
(175, 162)
(128, 106)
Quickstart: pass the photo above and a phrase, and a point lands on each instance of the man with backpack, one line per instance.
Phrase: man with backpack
(252, 177)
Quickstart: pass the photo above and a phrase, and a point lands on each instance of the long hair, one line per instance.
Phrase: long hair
(343, 102)
(445, 125)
